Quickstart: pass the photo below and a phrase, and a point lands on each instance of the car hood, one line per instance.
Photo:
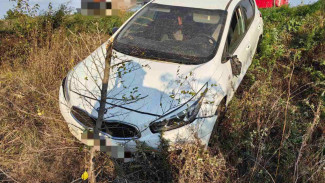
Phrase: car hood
(139, 90)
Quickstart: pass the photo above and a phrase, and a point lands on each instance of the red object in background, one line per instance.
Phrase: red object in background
(269, 3)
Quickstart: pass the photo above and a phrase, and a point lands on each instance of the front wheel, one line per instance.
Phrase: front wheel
(259, 45)
(221, 114)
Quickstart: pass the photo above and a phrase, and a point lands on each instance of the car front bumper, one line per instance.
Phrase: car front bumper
(200, 129)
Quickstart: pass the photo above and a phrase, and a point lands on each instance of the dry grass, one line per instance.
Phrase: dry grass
(194, 164)
(35, 143)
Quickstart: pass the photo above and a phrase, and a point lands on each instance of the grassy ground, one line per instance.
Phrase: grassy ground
(273, 131)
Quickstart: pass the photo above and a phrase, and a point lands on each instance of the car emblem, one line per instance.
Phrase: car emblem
(105, 112)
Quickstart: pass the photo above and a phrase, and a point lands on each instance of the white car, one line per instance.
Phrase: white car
(176, 64)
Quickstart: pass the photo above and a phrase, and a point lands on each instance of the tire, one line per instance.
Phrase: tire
(222, 110)
(258, 50)
(221, 113)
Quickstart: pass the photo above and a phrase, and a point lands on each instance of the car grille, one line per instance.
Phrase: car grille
(83, 117)
(115, 129)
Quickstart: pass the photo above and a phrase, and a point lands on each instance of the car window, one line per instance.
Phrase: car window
(171, 33)
(249, 11)
(236, 31)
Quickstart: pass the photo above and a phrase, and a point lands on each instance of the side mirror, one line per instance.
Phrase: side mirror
(236, 65)
(227, 57)
(114, 30)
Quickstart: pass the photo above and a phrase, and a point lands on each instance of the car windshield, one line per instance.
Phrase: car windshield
(171, 33)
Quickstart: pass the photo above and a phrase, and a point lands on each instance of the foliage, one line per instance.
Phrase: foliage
(276, 103)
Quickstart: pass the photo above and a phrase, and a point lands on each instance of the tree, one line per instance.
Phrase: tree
(102, 106)
(11, 14)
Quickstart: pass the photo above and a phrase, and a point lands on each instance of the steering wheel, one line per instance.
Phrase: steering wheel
(210, 38)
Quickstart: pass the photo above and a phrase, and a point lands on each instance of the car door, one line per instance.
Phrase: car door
(237, 45)
(253, 28)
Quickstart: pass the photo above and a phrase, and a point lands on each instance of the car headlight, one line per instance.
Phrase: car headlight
(180, 117)
(65, 87)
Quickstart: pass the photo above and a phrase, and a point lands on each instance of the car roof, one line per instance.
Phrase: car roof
(202, 4)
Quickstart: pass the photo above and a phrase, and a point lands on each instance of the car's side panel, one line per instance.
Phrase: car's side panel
(245, 50)
(241, 51)
(255, 31)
